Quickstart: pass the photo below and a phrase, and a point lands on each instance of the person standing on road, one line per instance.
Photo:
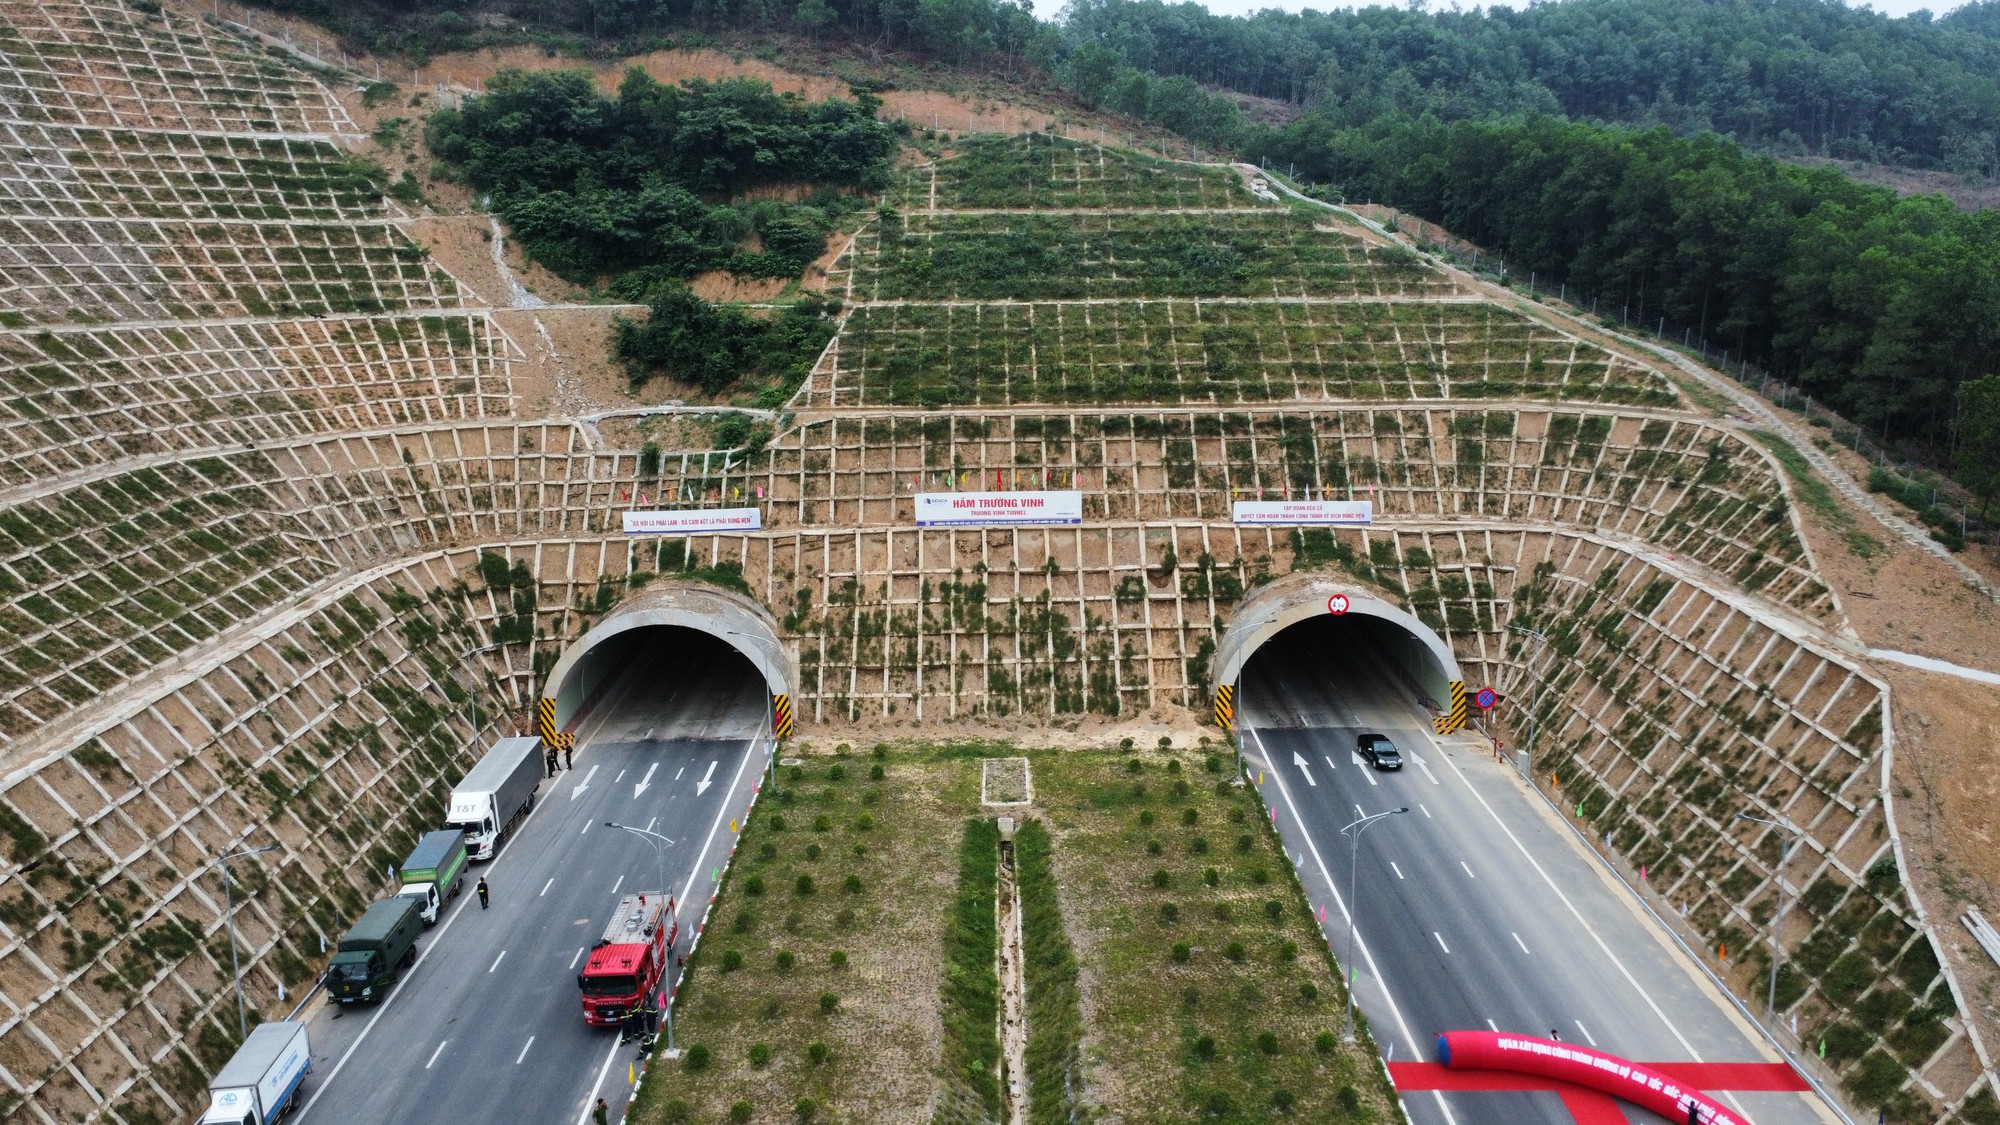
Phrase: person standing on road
(550, 761)
(569, 756)
(600, 1114)
(482, 892)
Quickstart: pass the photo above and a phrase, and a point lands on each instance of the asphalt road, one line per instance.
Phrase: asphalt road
(488, 1026)
(1479, 909)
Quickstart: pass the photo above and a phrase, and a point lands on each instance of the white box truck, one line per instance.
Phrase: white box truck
(496, 794)
(260, 1083)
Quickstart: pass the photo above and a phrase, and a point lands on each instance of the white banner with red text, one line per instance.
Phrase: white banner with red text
(693, 522)
(1304, 513)
(998, 509)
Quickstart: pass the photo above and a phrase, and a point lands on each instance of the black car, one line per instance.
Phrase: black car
(1379, 751)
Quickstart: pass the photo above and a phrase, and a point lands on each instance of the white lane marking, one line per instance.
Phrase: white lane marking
(1426, 811)
(496, 961)
(1522, 944)
(1494, 1026)
(579, 956)
(1365, 771)
(644, 781)
(547, 885)
(619, 778)
(1397, 870)
(1441, 944)
(1597, 938)
(585, 828)
(436, 1053)
(679, 772)
(650, 823)
(577, 790)
(1468, 870)
(1427, 769)
(524, 1050)
(618, 884)
(1586, 1033)
(1367, 954)
(701, 786)
(1299, 760)
(1328, 759)
(611, 1054)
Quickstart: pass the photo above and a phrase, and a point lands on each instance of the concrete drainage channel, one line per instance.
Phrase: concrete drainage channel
(1013, 990)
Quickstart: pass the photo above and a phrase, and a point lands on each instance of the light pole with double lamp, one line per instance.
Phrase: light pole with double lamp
(1777, 924)
(660, 844)
(1535, 707)
(229, 924)
(1353, 833)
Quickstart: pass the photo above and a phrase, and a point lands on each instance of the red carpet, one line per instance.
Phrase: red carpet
(1588, 1107)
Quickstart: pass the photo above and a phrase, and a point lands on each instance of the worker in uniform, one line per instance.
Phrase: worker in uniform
(481, 888)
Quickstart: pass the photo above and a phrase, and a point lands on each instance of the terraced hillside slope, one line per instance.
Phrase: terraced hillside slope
(273, 523)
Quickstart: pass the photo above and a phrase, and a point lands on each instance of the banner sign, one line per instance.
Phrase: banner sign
(997, 509)
(1304, 513)
(693, 522)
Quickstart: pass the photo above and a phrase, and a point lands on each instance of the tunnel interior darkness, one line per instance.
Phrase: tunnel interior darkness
(1353, 652)
(665, 659)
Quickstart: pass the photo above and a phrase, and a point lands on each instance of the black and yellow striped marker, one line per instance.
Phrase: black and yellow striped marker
(1225, 706)
(781, 715)
(545, 721)
(1455, 718)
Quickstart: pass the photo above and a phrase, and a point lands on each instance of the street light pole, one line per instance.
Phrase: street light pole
(1777, 926)
(229, 925)
(1353, 833)
(472, 687)
(1535, 707)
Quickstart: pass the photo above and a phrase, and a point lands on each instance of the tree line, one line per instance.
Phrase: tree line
(623, 190)
(1881, 307)
(1789, 76)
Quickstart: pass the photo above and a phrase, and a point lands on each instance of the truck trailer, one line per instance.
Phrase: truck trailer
(630, 960)
(496, 794)
(262, 1080)
(375, 951)
(435, 872)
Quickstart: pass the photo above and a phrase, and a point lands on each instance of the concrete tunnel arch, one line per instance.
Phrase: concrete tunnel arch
(730, 617)
(1426, 660)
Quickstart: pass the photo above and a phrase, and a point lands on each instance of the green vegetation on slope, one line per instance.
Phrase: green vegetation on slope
(600, 188)
(713, 346)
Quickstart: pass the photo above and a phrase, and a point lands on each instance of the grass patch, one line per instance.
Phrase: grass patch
(1213, 997)
(971, 997)
(875, 951)
(1813, 491)
(1055, 1014)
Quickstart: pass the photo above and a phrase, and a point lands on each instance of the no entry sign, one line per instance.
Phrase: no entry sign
(1337, 604)
(1486, 698)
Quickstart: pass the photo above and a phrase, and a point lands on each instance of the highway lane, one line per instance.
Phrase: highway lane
(1478, 909)
(489, 1025)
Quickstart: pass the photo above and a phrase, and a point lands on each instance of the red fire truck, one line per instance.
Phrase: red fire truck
(629, 961)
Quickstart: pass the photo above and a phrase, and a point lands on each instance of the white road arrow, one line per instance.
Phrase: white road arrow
(701, 786)
(645, 781)
(1299, 761)
(582, 785)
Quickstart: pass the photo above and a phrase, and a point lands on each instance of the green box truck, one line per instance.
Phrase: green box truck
(375, 951)
(435, 872)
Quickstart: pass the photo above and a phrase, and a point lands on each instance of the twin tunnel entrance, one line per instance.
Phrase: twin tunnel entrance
(1288, 636)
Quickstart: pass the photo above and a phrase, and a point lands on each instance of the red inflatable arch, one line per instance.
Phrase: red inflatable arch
(1593, 1070)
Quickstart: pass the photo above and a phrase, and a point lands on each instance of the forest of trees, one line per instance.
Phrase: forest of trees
(1790, 76)
(1878, 306)
(620, 190)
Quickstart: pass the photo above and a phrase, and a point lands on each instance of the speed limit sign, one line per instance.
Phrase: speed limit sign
(1337, 604)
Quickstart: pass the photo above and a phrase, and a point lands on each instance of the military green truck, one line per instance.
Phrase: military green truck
(435, 872)
(375, 951)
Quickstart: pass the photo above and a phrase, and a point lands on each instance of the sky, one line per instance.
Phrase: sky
(1246, 7)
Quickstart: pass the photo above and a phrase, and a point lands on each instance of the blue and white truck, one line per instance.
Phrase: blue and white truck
(261, 1082)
